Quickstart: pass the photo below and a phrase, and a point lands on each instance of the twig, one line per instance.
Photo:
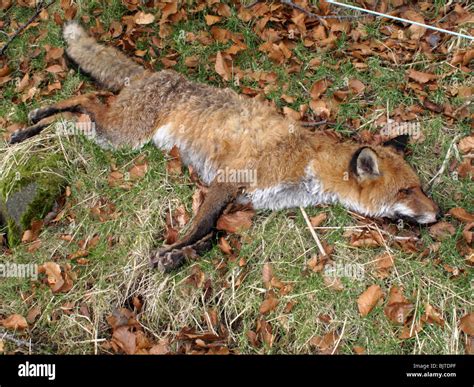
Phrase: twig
(39, 8)
(340, 337)
(13, 339)
(438, 174)
(313, 123)
(361, 228)
(313, 233)
(465, 104)
(253, 3)
(299, 8)
(387, 249)
(394, 237)
(414, 314)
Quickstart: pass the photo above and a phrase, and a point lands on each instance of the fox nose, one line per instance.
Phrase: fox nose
(439, 214)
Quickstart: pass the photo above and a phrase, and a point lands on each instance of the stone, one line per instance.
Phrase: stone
(29, 192)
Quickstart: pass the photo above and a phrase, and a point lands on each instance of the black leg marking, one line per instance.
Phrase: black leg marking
(38, 114)
(24, 134)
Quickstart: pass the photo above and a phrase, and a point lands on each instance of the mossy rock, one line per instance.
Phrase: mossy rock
(28, 191)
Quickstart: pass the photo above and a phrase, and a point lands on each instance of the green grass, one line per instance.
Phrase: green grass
(115, 273)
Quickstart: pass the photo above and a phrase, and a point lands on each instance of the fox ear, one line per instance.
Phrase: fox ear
(398, 144)
(364, 163)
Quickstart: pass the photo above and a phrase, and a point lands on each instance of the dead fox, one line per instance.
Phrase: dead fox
(240, 146)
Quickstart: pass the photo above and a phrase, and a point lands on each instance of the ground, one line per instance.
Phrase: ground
(115, 208)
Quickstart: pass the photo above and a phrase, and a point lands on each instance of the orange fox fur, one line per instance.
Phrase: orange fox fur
(217, 130)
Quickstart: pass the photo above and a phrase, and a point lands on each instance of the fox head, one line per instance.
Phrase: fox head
(387, 186)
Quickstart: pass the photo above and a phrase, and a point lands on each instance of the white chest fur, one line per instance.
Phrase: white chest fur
(308, 192)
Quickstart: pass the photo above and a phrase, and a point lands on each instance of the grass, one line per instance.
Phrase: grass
(118, 271)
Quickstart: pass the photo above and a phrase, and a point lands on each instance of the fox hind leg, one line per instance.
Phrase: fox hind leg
(199, 238)
(88, 104)
(33, 130)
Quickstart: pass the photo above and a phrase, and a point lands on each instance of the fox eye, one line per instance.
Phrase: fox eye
(406, 191)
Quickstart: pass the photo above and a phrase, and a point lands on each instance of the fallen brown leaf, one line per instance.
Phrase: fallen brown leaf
(125, 340)
(212, 19)
(461, 214)
(421, 77)
(143, 18)
(138, 171)
(442, 230)
(224, 246)
(466, 144)
(174, 165)
(384, 263)
(14, 322)
(267, 274)
(326, 344)
(432, 315)
(269, 304)
(466, 324)
(57, 279)
(33, 314)
(368, 299)
(318, 219)
(333, 283)
(399, 312)
(235, 221)
(54, 276)
(410, 330)
(318, 88)
(221, 67)
(356, 86)
(162, 348)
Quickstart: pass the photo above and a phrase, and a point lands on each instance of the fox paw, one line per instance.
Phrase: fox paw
(16, 137)
(35, 116)
(167, 260)
(171, 257)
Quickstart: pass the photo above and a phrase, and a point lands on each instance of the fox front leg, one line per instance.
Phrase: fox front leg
(199, 238)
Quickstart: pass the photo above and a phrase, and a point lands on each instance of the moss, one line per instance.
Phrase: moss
(33, 187)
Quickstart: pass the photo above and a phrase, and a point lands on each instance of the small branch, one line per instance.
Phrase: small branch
(13, 339)
(363, 227)
(340, 337)
(313, 123)
(313, 233)
(465, 104)
(438, 174)
(253, 3)
(39, 8)
(299, 8)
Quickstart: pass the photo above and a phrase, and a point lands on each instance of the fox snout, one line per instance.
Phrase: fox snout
(414, 205)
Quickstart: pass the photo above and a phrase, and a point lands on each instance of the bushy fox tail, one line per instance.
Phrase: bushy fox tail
(106, 65)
